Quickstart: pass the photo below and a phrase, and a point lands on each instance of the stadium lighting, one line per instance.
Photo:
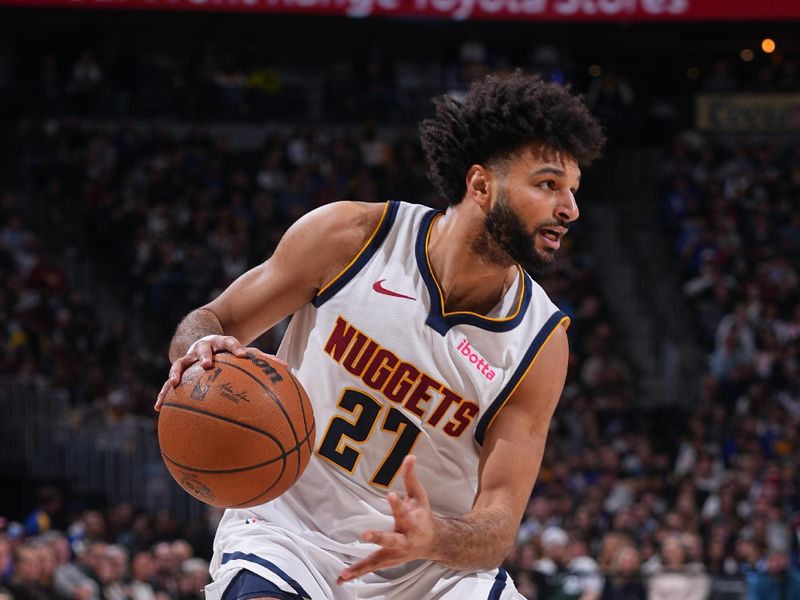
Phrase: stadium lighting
(746, 55)
(693, 73)
(595, 70)
(768, 45)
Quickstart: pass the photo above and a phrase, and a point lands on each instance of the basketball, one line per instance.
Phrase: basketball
(238, 434)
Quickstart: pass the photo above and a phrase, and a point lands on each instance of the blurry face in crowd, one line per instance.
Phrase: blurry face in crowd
(181, 551)
(672, 552)
(777, 563)
(60, 546)
(95, 525)
(693, 546)
(534, 206)
(578, 548)
(556, 552)
(95, 556)
(612, 542)
(27, 565)
(143, 567)
(716, 551)
(49, 562)
(117, 560)
(628, 561)
(195, 579)
(165, 563)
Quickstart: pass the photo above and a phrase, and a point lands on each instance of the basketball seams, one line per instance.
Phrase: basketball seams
(282, 458)
(223, 471)
(277, 401)
(206, 413)
(227, 420)
(283, 468)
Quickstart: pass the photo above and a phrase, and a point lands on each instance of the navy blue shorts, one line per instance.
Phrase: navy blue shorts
(247, 584)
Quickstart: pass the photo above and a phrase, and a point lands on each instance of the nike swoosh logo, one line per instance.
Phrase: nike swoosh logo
(378, 287)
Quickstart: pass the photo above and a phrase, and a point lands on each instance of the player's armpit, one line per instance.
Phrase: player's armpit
(509, 464)
(312, 252)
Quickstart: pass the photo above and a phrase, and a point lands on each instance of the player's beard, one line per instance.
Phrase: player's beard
(505, 240)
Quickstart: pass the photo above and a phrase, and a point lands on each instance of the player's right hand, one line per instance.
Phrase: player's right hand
(201, 351)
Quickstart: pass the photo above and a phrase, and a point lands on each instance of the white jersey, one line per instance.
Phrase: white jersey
(390, 373)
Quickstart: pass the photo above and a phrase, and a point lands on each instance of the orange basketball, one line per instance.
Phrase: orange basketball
(238, 434)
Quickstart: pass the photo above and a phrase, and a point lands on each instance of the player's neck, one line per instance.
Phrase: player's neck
(467, 280)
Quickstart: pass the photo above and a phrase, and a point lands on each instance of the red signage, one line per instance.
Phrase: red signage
(535, 10)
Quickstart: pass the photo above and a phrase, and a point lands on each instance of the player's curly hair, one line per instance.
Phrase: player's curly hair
(500, 115)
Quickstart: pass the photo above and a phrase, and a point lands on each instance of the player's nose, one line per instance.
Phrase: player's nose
(567, 208)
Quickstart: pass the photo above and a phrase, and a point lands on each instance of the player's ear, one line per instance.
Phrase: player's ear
(479, 181)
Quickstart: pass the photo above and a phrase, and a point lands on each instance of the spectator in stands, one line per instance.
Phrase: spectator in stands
(143, 585)
(114, 573)
(773, 578)
(676, 579)
(25, 583)
(192, 579)
(49, 562)
(40, 520)
(623, 581)
(93, 562)
(167, 568)
(69, 580)
(565, 571)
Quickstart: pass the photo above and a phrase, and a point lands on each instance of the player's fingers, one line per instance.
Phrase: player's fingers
(234, 346)
(205, 354)
(399, 512)
(386, 539)
(163, 394)
(377, 560)
(178, 367)
(174, 378)
(414, 488)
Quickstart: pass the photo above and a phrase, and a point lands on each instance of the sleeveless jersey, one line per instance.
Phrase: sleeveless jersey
(389, 373)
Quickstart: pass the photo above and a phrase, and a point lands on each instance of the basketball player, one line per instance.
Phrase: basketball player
(433, 361)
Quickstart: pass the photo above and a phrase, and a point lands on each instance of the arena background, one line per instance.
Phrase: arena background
(151, 151)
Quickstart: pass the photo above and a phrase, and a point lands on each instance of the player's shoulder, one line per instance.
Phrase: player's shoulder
(329, 237)
(346, 223)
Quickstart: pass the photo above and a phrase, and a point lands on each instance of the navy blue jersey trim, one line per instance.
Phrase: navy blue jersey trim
(253, 558)
(519, 373)
(441, 322)
(499, 585)
(363, 257)
(246, 585)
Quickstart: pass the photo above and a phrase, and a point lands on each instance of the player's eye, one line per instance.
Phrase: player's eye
(549, 184)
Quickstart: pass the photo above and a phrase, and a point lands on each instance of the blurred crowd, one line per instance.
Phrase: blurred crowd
(730, 207)
(167, 221)
(119, 554)
(206, 82)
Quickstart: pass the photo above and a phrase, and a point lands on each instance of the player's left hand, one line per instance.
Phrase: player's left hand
(413, 535)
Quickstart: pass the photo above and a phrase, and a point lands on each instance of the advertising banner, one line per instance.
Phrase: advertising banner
(537, 10)
(755, 113)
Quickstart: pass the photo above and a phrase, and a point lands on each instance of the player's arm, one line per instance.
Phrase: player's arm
(311, 253)
(509, 464)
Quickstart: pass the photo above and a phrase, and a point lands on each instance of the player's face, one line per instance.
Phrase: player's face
(534, 206)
